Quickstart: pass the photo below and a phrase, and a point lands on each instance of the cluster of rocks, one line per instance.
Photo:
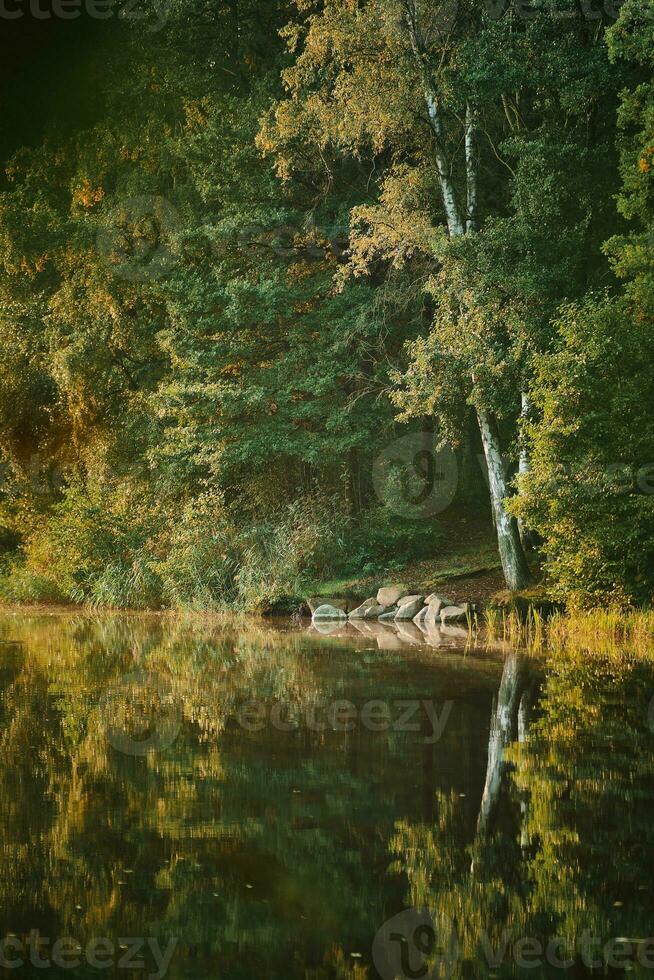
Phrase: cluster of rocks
(394, 604)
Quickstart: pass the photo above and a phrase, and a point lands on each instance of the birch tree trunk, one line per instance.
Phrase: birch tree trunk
(455, 223)
(514, 563)
(472, 168)
(512, 556)
(524, 465)
(503, 731)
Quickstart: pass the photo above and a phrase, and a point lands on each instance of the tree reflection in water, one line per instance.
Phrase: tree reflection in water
(564, 842)
(279, 853)
(266, 851)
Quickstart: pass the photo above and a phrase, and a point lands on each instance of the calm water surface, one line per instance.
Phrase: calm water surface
(190, 799)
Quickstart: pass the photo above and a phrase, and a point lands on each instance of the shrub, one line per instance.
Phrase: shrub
(281, 557)
(590, 492)
(91, 548)
(21, 584)
(382, 541)
(202, 557)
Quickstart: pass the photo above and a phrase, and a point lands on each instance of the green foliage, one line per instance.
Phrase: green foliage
(214, 562)
(302, 544)
(216, 294)
(92, 548)
(589, 493)
(21, 584)
(201, 559)
(382, 541)
(590, 490)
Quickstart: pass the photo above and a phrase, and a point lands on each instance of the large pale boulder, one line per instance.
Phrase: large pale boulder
(454, 614)
(360, 611)
(343, 604)
(327, 611)
(437, 595)
(409, 607)
(390, 595)
(420, 618)
(374, 612)
(434, 610)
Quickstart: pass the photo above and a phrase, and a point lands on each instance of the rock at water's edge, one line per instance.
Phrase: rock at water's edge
(389, 614)
(360, 611)
(453, 614)
(329, 612)
(409, 607)
(434, 610)
(374, 612)
(390, 595)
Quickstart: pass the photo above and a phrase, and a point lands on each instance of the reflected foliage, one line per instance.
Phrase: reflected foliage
(571, 851)
(263, 851)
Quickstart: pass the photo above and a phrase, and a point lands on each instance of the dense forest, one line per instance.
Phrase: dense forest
(272, 261)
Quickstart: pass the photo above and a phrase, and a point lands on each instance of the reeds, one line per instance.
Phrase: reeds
(514, 630)
(595, 630)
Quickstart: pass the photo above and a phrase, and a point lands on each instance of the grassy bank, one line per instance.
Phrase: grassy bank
(269, 569)
(467, 568)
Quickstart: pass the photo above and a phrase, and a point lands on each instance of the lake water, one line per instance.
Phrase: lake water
(185, 798)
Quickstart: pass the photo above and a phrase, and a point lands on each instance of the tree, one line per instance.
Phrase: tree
(191, 377)
(589, 494)
(456, 107)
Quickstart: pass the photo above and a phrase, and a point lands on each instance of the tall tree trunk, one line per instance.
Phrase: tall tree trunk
(514, 563)
(503, 731)
(455, 223)
(472, 168)
(512, 556)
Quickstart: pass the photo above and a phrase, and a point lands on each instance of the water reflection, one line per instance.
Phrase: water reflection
(396, 635)
(268, 798)
(558, 873)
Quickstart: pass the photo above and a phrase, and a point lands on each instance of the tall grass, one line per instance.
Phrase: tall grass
(597, 630)
(511, 629)
(606, 627)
